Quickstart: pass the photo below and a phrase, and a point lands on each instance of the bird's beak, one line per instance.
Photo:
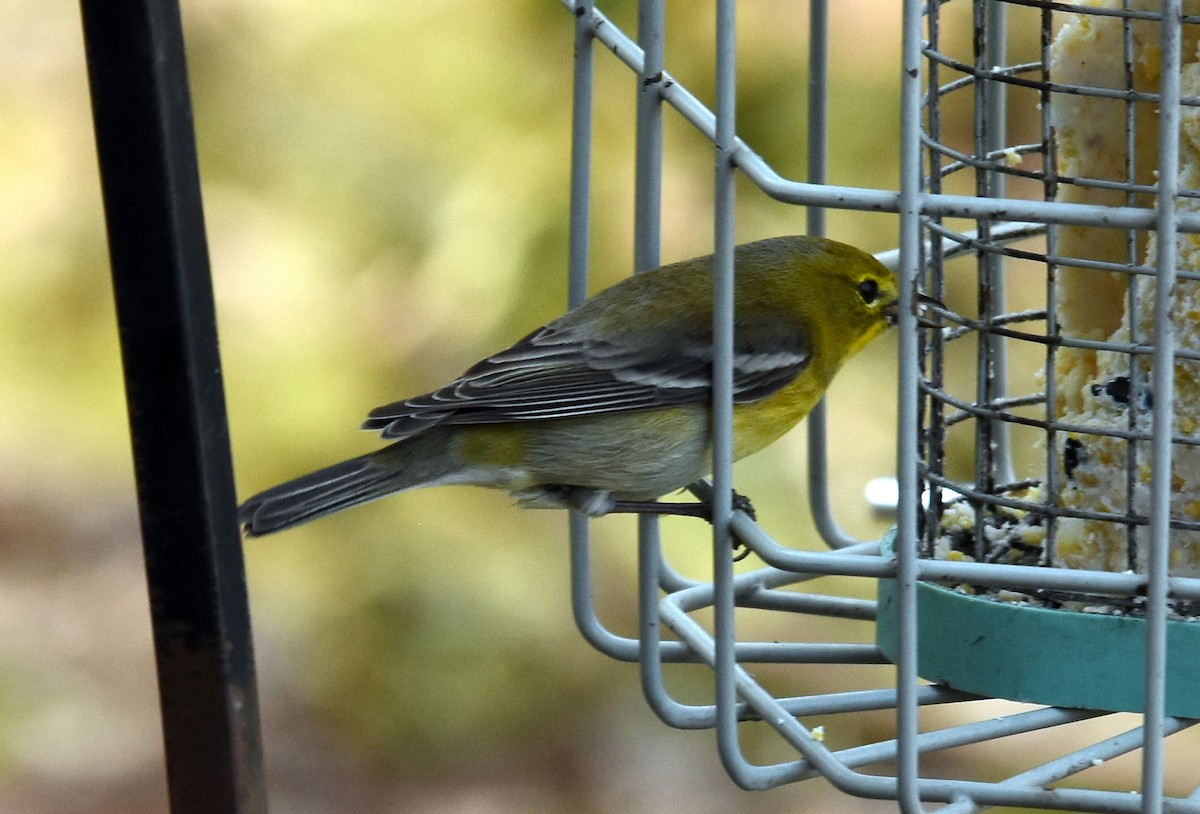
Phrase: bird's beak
(923, 301)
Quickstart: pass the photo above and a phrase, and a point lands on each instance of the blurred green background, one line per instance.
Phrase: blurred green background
(385, 187)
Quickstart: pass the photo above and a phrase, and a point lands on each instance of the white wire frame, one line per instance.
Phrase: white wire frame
(667, 598)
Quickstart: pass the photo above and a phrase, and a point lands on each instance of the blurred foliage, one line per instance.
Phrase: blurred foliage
(386, 191)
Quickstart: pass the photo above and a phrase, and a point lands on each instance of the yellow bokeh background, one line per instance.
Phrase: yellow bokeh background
(386, 191)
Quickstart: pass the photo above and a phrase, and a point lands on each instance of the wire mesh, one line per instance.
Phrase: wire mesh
(1048, 197)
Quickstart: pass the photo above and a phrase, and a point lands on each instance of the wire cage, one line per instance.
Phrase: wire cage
(1047, 546)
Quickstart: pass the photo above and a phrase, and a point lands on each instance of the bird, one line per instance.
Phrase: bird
(608, 408)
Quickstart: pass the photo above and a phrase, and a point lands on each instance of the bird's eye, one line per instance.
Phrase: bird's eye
(869, 290)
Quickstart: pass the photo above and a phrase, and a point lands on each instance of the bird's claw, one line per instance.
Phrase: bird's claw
(742, 504)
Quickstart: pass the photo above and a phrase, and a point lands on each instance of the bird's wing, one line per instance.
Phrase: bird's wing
(556, 373)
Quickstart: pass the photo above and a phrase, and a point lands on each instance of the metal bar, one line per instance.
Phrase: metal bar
(993, 574)
(1019, 723)
(621, 648)
(582, 80)
(907, 455)
(1163, 387)
(818, 107)
(196, 578)
(724, 195)
(1135, 369)
(819, 499)
(647, 215)
(651, 650)
(647, 220)
(698, 640)
(864, 700)
(1074, 762)
(994, 443)
(583, 609)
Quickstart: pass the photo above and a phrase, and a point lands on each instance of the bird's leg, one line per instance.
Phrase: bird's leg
(741, 503)
(599, 502)
(704, 509)
(662, 507)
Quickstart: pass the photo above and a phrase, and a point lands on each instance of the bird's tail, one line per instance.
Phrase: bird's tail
(401, 466)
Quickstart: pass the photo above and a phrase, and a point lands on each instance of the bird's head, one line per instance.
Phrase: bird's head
(844, 296)
(853, 296)
(864, 293)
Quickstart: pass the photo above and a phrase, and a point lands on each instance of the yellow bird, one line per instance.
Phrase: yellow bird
(607, 408)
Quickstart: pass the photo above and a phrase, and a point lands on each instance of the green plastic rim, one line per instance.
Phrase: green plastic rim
(1039, 655)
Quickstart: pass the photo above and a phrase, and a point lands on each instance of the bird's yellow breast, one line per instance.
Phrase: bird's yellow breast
(759, 423)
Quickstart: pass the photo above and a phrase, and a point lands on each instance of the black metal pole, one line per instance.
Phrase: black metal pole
(146, 146)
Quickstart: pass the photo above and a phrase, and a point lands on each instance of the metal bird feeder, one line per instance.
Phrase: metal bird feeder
(1067, 330)
(1047, 547)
